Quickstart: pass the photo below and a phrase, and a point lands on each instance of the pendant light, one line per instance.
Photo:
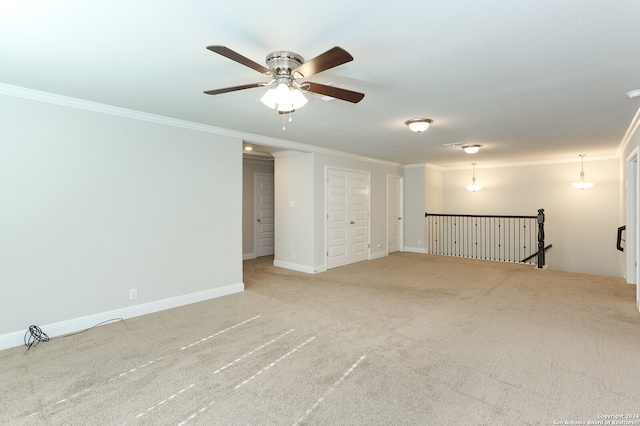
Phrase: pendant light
(582, 184)
(473, 187)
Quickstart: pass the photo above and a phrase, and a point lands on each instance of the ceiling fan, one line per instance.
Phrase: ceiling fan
(285, 69)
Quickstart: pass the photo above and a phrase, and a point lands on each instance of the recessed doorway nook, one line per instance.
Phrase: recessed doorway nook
(257, 206)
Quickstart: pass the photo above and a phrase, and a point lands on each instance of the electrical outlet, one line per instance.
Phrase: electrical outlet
(133, 294)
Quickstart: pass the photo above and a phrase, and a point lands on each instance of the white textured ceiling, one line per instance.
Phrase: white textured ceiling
(529, 80)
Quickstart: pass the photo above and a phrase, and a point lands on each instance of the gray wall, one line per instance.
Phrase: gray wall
(95, 204)
(300, 227)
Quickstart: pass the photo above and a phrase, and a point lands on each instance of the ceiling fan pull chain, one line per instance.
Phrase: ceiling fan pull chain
(283, 122)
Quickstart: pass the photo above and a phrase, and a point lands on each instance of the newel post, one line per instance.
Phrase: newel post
(540, 238)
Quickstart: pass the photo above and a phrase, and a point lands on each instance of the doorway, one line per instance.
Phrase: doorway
(395, 228)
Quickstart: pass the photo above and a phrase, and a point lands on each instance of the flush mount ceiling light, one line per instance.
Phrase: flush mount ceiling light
(471, 149)
(582, 184)
(473, 187)
(418, 124)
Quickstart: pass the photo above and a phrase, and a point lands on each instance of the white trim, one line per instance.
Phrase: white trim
(541, 162)
(415, 250)
(400, 203)
(631, 218)
(295, 267)
(379, 255)
(631, 131)
(36, 95)
(249, 256)
(525, 163)
(74, 325)
(423, 166)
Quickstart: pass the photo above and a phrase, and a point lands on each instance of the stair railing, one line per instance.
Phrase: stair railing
(491, 237)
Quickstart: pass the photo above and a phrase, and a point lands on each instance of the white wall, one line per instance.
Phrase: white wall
(294, 214)
(95, 204)
(581, 224)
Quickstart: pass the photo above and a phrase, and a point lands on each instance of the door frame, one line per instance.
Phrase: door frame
(632, 234)
(400, 201)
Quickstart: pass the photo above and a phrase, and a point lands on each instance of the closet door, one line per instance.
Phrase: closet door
(347, 217)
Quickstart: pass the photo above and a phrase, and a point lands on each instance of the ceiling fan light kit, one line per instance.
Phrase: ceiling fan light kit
(284, 98)
(285, 92)
(418, 124)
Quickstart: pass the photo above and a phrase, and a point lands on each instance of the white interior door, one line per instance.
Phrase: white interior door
(347, 217)
(358, 209)
(264, 214)
(394, 214)
(337, 215)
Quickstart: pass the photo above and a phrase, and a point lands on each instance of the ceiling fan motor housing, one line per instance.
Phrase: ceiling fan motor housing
(283, 62)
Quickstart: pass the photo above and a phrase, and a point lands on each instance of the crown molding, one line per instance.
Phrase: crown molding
(52, 98)
(424, 165)
(631, 132)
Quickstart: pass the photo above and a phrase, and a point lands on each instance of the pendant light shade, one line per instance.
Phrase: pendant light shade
(474, 187)
(581, 183)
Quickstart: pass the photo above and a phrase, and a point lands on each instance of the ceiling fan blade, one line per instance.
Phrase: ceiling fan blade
(329, 59)
(233, 89)
(234, 56)
(334, 92)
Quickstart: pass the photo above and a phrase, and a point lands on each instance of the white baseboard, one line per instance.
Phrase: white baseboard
(295, 267)
(74, 325)
(249, 256)
(378, 255)
(415, 249)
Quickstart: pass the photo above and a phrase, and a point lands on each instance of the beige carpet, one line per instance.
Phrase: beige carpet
(408, 339)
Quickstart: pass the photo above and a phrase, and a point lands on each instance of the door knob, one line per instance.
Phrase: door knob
(259, 220)
(352, 222)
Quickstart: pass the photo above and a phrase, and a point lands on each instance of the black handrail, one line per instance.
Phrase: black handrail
(480, 215)
(535, 254)
(620, 240)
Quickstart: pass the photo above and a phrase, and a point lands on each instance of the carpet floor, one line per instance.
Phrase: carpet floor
(408, 339)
